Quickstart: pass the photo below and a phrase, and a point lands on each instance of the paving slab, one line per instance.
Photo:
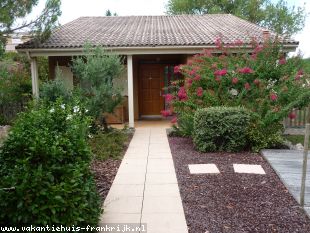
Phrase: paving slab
(145, 189)
(288, 166)
(210, 168)
(249, 169)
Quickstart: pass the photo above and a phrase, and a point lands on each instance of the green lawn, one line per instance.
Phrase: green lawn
(295, 139)
(111, 144)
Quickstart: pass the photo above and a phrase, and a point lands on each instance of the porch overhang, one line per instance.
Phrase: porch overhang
(48, 52)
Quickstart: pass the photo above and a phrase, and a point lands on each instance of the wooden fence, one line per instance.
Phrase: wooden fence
(299, 121)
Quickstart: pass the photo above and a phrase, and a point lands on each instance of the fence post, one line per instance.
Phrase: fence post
(305, 160)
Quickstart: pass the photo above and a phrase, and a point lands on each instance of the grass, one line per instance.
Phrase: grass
(295, 139)
(109, 145)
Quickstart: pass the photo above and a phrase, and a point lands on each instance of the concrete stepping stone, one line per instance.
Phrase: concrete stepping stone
(209, 168)
(249, 169)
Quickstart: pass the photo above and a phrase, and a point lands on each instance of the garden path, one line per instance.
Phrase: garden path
(145, 189)
(288, 165)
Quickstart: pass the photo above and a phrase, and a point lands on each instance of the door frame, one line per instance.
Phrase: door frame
(161, 67)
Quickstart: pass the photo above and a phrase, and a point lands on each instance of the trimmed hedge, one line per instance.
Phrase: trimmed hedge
(45, 170)
(221, 129)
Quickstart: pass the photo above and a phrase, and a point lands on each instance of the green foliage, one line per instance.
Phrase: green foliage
(261, 136)
(51, 90)
(306, 65)
(277, 16)
(44, 169)
(221, 129)
(97, 71)
(15, 89)
(295, 139)
(185, 127)
(111, 144)
(12, 10)
(264, 82)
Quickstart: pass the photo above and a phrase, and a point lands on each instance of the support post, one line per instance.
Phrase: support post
(305, 160)
(130, 91)
(34, 77)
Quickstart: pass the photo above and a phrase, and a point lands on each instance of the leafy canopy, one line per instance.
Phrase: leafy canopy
(12, 11)
(278, 17)
(97, 72)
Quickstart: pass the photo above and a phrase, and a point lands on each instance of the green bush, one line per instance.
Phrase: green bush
(51, 90)
(221, 129)
(106, 145)
(261, 136)
(44, 169)
(185, 126)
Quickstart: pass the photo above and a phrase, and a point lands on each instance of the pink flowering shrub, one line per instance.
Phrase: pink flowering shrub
(263, 81)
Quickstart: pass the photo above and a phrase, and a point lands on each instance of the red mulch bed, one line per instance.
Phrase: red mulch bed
(106, 170)
(231, 202)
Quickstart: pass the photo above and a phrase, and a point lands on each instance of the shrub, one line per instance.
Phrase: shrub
(15, 90)
(106, 145)
(97, 72)
(262, 81)
(185, 125)
(44, 169)
(221, 129)
(51, 90)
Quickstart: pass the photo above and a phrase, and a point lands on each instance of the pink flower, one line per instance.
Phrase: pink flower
(182, 94)
(220, 72)
(168, 98)
(273, 96)
(189, 63)
(197, 77)
(199, 91)
(218, 43)
(256, 82)
(247, 86)
(246, 70)
(174, 120)
(282, 61)
(165, 113)
(292, 115)
(176, 69)
(238, 42)
(300, 72)
(207, 52)
(258, 48)
(235, 80)
(214, 66)
(218, 79)
(254, 56)
(192, 72)
(299, 75)
(189, 81)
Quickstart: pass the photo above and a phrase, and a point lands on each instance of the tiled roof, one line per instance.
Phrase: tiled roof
(152, 31)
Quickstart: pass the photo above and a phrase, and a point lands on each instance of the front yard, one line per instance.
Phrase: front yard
(108, 149)
(230, 201)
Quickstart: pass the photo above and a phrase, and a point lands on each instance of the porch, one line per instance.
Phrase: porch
(142, 83)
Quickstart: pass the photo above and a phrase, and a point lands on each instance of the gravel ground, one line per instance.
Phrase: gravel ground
(105, 171)
(231, 202)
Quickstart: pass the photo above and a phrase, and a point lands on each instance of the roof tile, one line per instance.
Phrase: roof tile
(145, 31)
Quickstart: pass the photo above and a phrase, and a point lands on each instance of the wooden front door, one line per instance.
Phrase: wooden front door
(151, 82)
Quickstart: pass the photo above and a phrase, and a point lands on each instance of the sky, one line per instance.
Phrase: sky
(72, 9)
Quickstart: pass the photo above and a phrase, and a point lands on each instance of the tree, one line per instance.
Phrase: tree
(97, 72)
(278, 17)
(109, 13)
(13, 10)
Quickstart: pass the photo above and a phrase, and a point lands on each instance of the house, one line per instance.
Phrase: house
(151, 45)
(12, 40)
